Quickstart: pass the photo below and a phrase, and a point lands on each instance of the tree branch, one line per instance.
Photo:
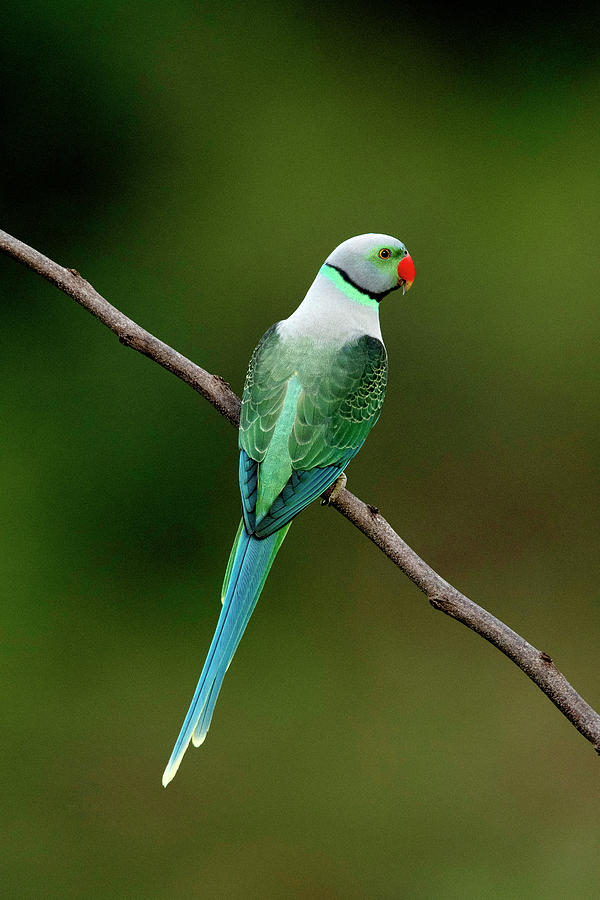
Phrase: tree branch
(538, 666)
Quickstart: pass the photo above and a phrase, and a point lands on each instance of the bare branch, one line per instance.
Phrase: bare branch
(215, 389)
(537, 665)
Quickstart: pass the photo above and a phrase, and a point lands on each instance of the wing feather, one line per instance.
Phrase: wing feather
(342, 392)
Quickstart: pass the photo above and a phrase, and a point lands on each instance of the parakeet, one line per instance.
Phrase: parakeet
(314, 389)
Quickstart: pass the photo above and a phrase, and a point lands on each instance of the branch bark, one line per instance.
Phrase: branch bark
(537, 665)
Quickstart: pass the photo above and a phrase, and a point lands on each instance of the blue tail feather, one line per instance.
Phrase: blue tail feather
(249, 568)
(228, 652)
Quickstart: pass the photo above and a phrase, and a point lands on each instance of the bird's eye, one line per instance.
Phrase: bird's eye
(384, 253)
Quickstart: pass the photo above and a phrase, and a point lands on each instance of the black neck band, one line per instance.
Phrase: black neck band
(378, 297)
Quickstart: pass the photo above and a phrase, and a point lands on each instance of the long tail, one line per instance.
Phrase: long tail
(247, 570)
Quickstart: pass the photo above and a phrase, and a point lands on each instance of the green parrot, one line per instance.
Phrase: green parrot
(314, 389)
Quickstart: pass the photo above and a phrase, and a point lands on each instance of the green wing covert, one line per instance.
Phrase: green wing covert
(338, 407)
(336, 394)
(342, 393)
(269, 372)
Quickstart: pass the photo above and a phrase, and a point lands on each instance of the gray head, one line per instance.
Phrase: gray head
(374, 263)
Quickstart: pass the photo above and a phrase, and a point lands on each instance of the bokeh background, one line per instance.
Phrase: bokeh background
(196, 162)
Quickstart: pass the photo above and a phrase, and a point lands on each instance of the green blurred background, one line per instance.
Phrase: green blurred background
(197, 162)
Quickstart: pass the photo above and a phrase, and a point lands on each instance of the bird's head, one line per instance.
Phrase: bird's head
(374, 264)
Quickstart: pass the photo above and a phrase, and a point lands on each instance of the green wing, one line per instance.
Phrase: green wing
(306, 411)
(265, 389)
(338, 407)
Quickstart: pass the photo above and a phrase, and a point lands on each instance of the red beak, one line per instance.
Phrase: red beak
(406, 272)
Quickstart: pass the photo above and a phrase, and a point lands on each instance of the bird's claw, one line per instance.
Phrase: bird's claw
(333, 492)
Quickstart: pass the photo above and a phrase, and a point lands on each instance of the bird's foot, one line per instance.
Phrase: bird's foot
(333, 492)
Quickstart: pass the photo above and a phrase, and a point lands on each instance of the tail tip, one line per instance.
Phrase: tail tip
(198, 739)
(169, 774)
